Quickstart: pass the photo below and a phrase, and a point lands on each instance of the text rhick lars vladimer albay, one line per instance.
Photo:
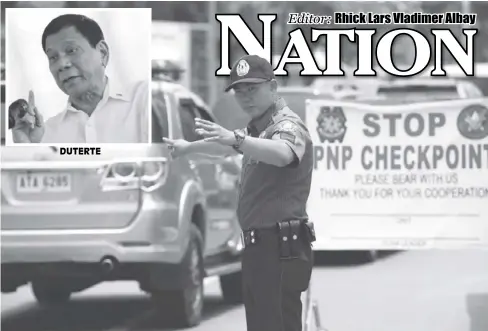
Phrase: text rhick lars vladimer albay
(383, 18)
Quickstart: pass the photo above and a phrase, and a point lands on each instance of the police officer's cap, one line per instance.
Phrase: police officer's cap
(250, 69)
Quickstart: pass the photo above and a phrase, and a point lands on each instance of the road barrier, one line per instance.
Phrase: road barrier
(310, 314)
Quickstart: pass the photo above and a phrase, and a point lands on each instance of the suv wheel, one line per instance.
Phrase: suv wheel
(49, 293)
(231, 286)
(184, 307)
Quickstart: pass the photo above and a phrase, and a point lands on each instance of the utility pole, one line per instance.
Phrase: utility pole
(212, 54)
(465, 9)
(466, 6)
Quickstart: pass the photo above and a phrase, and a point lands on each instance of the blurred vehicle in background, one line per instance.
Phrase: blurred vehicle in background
(133, 213)
(2, 105)
(347, 88)
(427, 89)
(166, 70)
(480, 78)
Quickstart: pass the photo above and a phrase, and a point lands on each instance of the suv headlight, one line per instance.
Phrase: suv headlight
(147, 174)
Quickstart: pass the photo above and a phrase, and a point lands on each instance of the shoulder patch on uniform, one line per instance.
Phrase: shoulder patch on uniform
(288, 137)
(287, 130)
(287, 126)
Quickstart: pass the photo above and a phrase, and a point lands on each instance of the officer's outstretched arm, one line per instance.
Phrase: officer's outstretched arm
(180, 147)
(270, 151)
(210, 148)
(285, 147)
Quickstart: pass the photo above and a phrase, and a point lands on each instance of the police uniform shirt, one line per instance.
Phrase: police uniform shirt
(269, 194)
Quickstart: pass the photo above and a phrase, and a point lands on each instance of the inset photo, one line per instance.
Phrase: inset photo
(77, 76)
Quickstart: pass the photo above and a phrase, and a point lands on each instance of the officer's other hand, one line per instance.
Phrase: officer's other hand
(25, 121)
(214, 132)
(177, 147)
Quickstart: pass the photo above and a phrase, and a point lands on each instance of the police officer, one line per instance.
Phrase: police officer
(275, 182)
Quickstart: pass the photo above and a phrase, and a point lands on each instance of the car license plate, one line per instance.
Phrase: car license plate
(43, 182)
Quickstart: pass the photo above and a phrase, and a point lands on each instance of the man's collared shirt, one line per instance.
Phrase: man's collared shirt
(120, 117)
(269, 194)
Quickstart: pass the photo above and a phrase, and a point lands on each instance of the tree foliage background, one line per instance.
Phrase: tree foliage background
(203, 13)
(198, 12)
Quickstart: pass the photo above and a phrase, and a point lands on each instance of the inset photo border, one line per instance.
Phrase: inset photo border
(77, 76)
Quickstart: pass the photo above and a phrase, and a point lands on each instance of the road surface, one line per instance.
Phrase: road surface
(410, 291)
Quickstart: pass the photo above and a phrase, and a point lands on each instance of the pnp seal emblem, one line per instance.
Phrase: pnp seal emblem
(331, 124)
(472, 122)
(288, 131)
(242, 68)
(288, 126)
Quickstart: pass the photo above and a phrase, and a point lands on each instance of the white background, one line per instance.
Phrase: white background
(127, 32)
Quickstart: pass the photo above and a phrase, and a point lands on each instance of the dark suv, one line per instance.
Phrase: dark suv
(132, 213)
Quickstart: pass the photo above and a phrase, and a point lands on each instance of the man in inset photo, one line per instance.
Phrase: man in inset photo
(99, 108)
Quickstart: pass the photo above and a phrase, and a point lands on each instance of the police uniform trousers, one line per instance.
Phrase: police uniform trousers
(272, 286)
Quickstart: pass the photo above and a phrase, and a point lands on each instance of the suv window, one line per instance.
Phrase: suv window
(187, 115)
(203, 114)
(159, 123)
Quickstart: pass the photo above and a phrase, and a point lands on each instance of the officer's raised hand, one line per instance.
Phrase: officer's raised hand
(214, 132)
(177, 147)
(26, 122)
